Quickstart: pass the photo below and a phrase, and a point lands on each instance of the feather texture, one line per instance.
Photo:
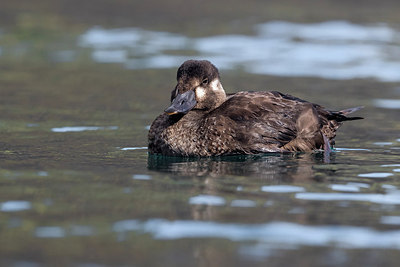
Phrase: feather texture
(241, 123)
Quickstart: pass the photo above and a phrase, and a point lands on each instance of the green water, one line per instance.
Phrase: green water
(96, 198)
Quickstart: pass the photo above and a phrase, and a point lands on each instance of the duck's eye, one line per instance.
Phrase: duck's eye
(205, 81)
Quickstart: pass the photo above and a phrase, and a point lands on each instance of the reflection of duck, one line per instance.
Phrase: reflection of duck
(271, 167)
(203, 121)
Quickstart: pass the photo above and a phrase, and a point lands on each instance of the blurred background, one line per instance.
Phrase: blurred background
(81, 82)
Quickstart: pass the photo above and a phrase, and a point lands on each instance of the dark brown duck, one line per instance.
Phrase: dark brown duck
(203, 121)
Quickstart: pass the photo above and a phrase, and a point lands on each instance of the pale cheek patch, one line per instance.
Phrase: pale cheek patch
(200, 93)
(215, 85)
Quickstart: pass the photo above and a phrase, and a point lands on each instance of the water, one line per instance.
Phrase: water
(78, 187)
(81, 128)
(333, 49)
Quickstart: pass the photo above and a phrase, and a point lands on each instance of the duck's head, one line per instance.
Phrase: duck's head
(198, 88)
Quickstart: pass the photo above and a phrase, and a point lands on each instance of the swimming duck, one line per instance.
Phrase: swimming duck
(203, 120)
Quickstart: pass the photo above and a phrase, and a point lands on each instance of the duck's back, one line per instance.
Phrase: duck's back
(275, 122)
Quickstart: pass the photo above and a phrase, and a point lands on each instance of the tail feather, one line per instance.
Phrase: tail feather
(342, 114)
(350, 110)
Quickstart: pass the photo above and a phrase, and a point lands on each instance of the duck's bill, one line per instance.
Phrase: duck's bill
(182, 103)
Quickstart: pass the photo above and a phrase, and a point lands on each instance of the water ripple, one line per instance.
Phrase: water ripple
(282, 189)
(345, 187)
(141, 177)
(133, 148)
(387, 103)
(50, 232)
(383, 143)
(15, 205)
(243, 203)
(374, 198)
(275, 233)
(81, 230)
(332, 49)
(208, 200)
(394, 220)
(375, 175)
(81, 128)
(350, 149)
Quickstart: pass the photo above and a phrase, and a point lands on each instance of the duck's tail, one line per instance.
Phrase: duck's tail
(342, 114)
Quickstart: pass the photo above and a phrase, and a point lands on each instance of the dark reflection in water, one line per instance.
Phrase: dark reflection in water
(280, 167)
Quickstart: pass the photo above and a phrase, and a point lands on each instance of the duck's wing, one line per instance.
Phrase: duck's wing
(270, 122)
(315, 121)
(329, 121)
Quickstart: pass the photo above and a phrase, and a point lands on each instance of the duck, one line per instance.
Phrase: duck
(203, 121)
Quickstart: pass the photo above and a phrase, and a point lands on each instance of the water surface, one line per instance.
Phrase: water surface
(333, 49)
(78, 187)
